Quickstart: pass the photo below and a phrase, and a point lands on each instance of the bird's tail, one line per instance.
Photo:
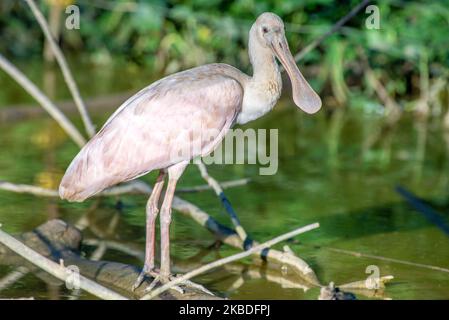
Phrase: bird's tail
(83, 178)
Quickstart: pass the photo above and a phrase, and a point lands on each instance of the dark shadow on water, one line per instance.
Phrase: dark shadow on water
(392, 217)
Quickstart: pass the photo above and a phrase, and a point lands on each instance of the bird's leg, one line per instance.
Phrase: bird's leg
(165, 229)
(174, 173)
(151, 211)
(164, 276)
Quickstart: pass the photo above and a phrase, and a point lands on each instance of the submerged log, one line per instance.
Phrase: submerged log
(60, 241)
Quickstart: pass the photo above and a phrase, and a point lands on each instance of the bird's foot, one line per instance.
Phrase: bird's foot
(146, 272)
(159, 279)
(187, 283)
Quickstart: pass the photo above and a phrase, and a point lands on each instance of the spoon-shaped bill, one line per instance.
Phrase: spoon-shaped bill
(303, 94)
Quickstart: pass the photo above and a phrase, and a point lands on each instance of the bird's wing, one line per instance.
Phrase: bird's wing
(175, 119)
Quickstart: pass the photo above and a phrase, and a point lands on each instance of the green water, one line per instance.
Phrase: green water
(321, 177)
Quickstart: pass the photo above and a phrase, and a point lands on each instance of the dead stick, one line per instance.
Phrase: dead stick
(55, 269)
(229, 259)
(44, 101)
(68, 77)
(132, 187)
(371, 256)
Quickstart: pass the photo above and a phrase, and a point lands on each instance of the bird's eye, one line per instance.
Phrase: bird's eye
(264, 29)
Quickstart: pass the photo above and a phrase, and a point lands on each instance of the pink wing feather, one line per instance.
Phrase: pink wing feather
(188, 111)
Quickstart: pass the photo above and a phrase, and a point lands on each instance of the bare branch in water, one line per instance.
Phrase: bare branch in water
(44, 101)
(68, 77)
(381, 258)
(55, 269)
(131, 187)
(256, 249)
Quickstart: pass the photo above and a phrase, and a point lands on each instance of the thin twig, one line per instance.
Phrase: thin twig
(393, 109)
(55, 269)
(220, 262)
(127, 188)
(99, 252)
(224, 185)
(131, 187)
(29, 189)
(371, 256)
(44, 101)
(334, 29)
(68, 77)
(13, 277)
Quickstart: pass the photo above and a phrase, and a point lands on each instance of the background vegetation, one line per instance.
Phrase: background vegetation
(167, 36)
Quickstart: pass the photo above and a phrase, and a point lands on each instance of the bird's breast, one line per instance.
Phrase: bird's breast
(259, 99)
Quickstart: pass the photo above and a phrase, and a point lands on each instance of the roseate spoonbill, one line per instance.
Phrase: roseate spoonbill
(161, 119)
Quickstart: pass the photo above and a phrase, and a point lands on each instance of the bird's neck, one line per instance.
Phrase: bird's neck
(263, 89)
(265, 67)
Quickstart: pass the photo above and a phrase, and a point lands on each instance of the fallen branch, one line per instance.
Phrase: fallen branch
(68, 77)
(55, 269)
(220, 232)
(253, 271)
(256, 249)
(127, 188)
(43, 100)
(56, 240)
(29, 189)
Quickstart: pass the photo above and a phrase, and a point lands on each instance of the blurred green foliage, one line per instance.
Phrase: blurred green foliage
(167, 36)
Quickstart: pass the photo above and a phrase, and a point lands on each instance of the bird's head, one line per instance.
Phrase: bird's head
(269, 32)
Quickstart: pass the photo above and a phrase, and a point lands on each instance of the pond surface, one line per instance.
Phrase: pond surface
(323, 176)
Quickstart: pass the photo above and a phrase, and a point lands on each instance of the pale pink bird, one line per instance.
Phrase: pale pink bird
(153, 129)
